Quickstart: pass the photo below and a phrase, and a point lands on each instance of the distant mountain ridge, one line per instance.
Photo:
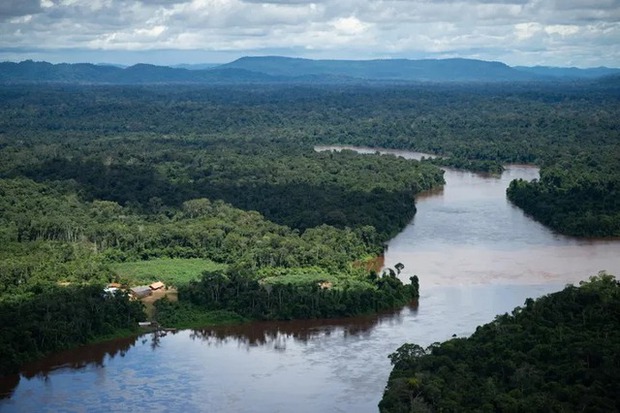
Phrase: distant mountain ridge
(44, 72)
(569, 72)
(426, 70)
(195, 66)
(276, 69)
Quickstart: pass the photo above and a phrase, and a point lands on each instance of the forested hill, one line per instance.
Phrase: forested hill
(556, 354)
(86, 73)
(436, 70)
(569, 72)
(275, 69)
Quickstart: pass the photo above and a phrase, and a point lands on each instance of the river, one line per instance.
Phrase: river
(476, 255)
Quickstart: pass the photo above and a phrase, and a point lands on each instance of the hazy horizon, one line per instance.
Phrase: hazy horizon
(574, 33)
(215, 64)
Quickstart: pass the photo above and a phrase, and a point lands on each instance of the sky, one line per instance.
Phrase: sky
(581, 33)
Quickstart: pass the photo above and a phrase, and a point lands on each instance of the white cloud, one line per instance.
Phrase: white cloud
(554, 32)
(562, 29)
(525, 31)
(349, 26)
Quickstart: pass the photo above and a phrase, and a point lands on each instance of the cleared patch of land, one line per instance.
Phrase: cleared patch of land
(149, 302)
(172, 271)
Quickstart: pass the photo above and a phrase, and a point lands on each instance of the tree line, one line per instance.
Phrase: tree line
(242, 293)
(132, 128)
(48, 317)
(95, 175)
(577, 196)
(50, 235)
(76, 199)
(555, 354)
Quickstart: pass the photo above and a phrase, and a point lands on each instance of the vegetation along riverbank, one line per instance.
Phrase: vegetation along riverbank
(555, 354)
(94, 178)
(80, 210)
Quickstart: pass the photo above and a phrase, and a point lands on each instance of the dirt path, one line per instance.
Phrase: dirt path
(149, 301)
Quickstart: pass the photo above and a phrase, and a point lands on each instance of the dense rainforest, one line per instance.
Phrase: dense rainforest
(287, 295)
(579, 195)
(276, 216)
(48, 317)
(68, 132)
(558, 353)
(93, 177)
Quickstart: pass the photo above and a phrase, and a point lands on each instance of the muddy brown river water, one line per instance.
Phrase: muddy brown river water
(476, 255)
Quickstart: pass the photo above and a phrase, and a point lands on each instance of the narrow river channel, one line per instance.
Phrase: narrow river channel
(476, 255)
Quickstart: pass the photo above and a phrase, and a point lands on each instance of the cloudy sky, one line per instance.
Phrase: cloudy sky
(582, 33)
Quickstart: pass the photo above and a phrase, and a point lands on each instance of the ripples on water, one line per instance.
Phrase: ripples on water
(477, 256)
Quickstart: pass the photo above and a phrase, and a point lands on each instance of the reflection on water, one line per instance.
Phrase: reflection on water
(275, 333)
(8, 385)
(79, 358)
(302, 366)
(203, 370)
(93, 355)
(477, 256)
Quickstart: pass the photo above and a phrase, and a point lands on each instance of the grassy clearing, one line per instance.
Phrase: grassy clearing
(186, 315)
(172, 271)
(296, 275)
(311, 275)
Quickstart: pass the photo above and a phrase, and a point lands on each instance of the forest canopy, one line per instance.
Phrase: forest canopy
(92, 177)
(187, 139)
(558, 353)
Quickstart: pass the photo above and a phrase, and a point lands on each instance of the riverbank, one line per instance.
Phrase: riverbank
(491, 167)
(170, 294)
(477, 255)
(540, 352)
(262, 366)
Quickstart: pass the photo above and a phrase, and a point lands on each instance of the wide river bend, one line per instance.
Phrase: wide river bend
(476, 255)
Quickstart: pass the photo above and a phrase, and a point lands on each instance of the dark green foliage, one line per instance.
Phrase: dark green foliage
(576, 196)
(239, 291)
(48, 318)
(92, 175)
(159, 146)
(555, 354)
(183, 314)
(288, 185)
(481, 166)
(51, 235)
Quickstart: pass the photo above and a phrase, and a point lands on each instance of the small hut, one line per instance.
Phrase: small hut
(110, 291)
(141, 291)
(157, 286)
